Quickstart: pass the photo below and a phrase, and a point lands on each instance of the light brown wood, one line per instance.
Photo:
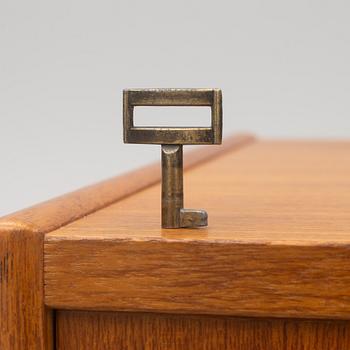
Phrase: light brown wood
(23, 317)
(25, 322)
(110, 331)
(67, 208)
(277, 242)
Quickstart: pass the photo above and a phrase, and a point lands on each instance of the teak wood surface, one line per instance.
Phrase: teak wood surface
(25, 321)
(147, 331)
(277, 245)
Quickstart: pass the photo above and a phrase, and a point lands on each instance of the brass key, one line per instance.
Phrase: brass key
(172, 140)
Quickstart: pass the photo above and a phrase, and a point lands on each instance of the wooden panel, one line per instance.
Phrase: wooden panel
(107, 331)
(25, 323)
(199, 277)
(278, 241)
(317, 335)
(23, 318)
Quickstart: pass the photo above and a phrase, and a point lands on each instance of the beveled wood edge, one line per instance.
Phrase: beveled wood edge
(60, 211)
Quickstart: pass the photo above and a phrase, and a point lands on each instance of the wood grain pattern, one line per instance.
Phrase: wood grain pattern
(278, 243)
(107, 331)
(23, 317)
(317, 335)
(25, 322)
(199, 277)
(67, 208)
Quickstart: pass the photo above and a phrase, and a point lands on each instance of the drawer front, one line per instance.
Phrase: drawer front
(145, 331)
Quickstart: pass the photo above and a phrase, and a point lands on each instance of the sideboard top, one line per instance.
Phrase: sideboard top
(273, 192)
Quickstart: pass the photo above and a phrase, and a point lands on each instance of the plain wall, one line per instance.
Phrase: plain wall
(283, 67)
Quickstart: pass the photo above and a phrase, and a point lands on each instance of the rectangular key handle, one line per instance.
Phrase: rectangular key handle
(172, 140)
(173, 97)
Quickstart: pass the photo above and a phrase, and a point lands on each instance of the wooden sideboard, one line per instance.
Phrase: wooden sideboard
(94, 270)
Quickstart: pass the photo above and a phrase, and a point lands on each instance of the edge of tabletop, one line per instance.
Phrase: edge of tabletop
(60, 211)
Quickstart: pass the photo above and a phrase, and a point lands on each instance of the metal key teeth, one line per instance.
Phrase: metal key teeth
(193, 218)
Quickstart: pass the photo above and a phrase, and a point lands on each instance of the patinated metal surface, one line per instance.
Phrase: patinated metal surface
(172, 139)
(172, 185)
(173, 97)
(173, 214)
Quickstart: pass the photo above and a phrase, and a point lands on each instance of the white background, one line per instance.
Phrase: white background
(283, 67)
